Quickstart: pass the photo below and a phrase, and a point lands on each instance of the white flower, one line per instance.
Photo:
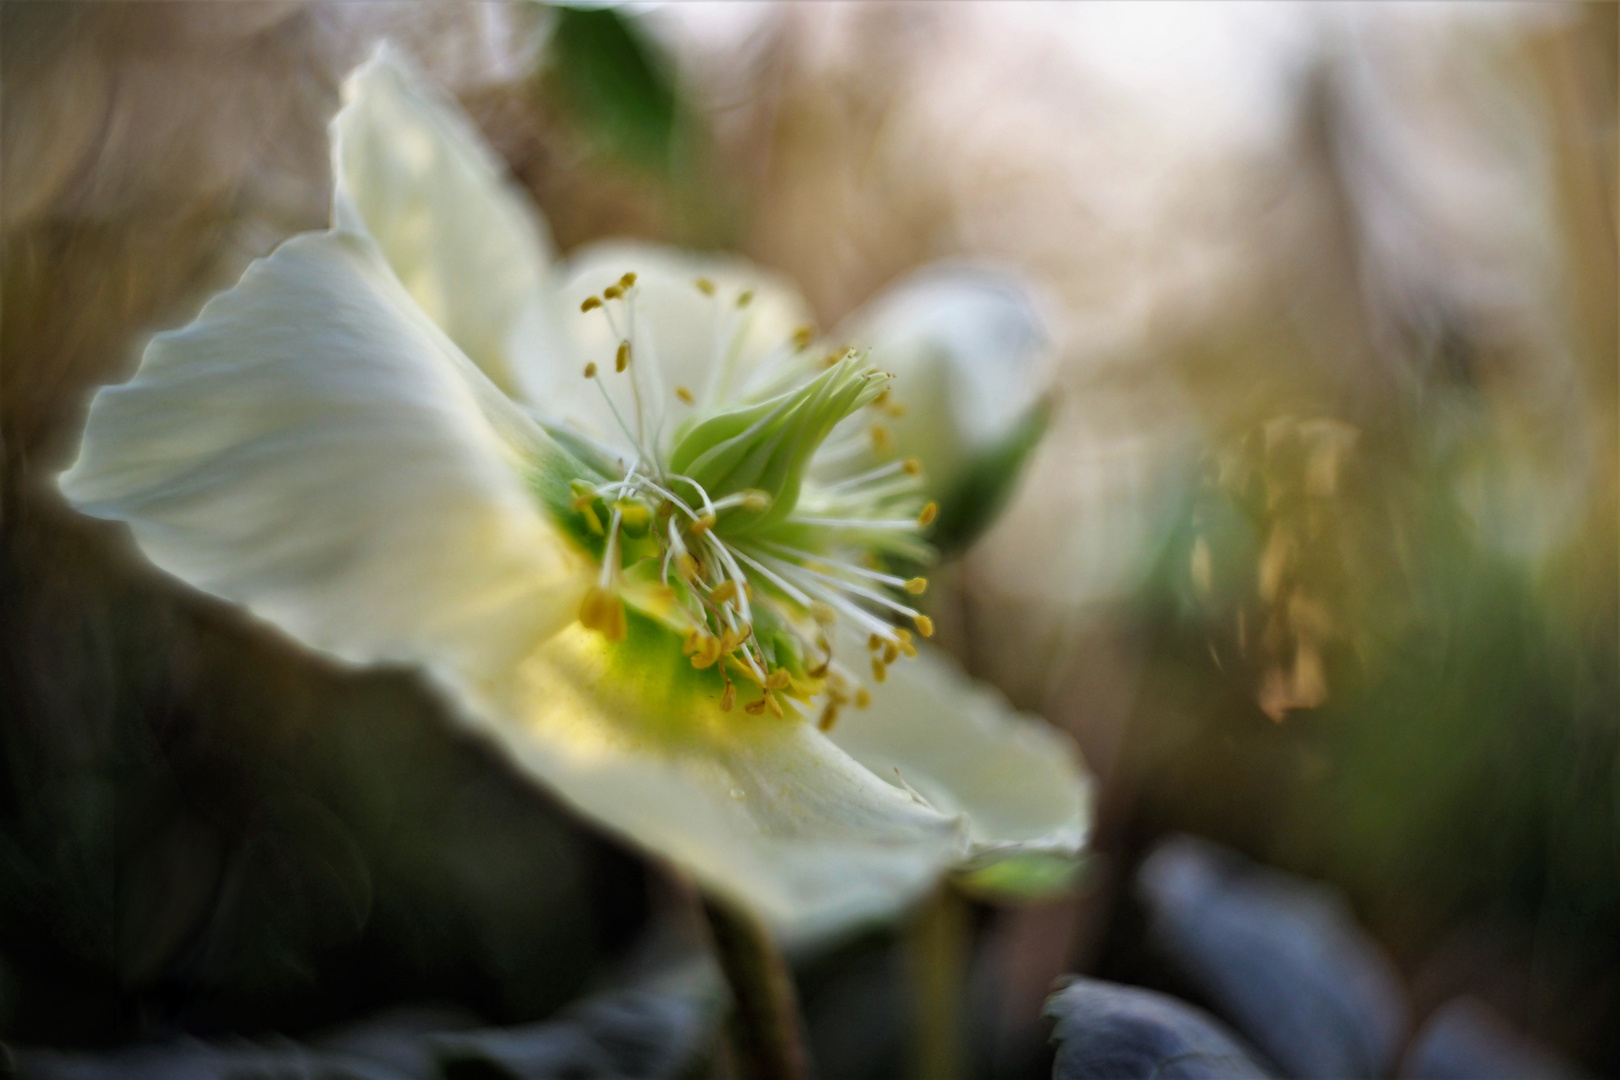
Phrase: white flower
(655, 549)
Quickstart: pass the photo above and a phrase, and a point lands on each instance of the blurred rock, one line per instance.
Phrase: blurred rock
(1280, 957)
(1109, 1032)
(1466, 1040)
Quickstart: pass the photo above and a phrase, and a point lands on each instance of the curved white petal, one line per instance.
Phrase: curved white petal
(683, 338)
(765, 810)
(409, 169)
(313, 447)
(1019, 782)
(964, 345)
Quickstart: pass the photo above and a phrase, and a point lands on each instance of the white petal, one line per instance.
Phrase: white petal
(1018, 781)
(314, 448)
(410, 169)
(964, 345)
(682, 337)
(767, 811)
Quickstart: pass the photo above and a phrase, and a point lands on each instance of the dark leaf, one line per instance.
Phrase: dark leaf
(615, 87)
(1281, 958)
(1110, 1032)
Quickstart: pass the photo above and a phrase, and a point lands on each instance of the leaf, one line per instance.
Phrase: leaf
(1110, 1032)
(615, 86)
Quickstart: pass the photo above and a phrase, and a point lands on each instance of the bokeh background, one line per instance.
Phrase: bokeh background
(1318, 558)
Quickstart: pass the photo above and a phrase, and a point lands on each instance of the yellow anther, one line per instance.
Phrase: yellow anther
(612, 292)
(622, 360)
(704, 286)
(726, 590)
(880, 401)
(603, 612)
(688, 566)
(745, 298)
(757, 501)
(803, 336)
(917, 586)
(632, 513)
(590, 371)
(703, 524)
(879, 672)
(628, 280)
(925, 625)
(831, 358)
(862, 698)
(882, 441)
(896, 410)
(685, 395)
(904, 637)
(591, 303)
(820, 670)
(755, 708)
(774, 705)
(891, 652)
(929, 513)
(592, 522)
(823, 614)
(694, 641)
(708, 652)
(911, 467)
(778, 679)
(728, 696)
(829, 717)
(874, 643)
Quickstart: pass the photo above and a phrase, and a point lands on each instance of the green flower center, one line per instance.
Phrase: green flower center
(758, 526)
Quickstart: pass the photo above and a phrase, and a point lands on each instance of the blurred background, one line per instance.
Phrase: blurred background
(1317, 560)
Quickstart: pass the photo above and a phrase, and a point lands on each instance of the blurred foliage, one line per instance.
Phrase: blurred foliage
(616, 87)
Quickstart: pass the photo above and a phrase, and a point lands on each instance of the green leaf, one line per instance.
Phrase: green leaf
(987, 482)
(616, 87)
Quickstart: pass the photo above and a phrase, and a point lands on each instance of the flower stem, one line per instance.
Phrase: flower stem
(766, 1030)
(936, 943)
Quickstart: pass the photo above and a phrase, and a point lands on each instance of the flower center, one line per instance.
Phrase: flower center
(772, 514)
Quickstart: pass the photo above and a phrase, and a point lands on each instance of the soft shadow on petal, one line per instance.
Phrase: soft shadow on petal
(961, 746)
(762, 809)
(685, 335)
(410, 170)
(314, 448)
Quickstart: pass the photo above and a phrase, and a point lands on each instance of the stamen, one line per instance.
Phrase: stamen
(728, 696)
(912, 466)
(929, 513)
(745, 298)
(612, 292)
(704, 286)
(862, 698)
(628, 280)
(802, 337)
(829, 717)
(685, 395)
(590, 370)
(622, 359)
(925, 625)
(882, 441)
(879, 671)
(591, 303)
(917, 586)
(603, 611)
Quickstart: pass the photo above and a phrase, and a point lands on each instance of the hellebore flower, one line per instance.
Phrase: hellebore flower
(630, 514)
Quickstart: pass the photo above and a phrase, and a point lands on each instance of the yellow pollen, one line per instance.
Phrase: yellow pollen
(929, 513)
(591, 303)
(730, 639)
(774, 705)
(703, 524)
(823, 614)
(862, 698)
(728, 696)
(874, 643)
(590, 371)
(632, 513)
(925, 625)
(755, 708)
(622, 360)
(602, 611)
(905, 641)
(688, 566)
(881, 439)
(912, 467)
(880, 401)
(694, 640)
(778, 680)
(612, 292)
(891, 652)
(726, 590)
(879, 672)
(917, 586)
(704, 286)
(829, 717)
(745, 298)
(628, 280)
(707, 653)
(803, 336)
(684, 394)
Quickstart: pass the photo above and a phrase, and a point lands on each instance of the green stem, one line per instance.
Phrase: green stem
(936, 953)
(766, 1029)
